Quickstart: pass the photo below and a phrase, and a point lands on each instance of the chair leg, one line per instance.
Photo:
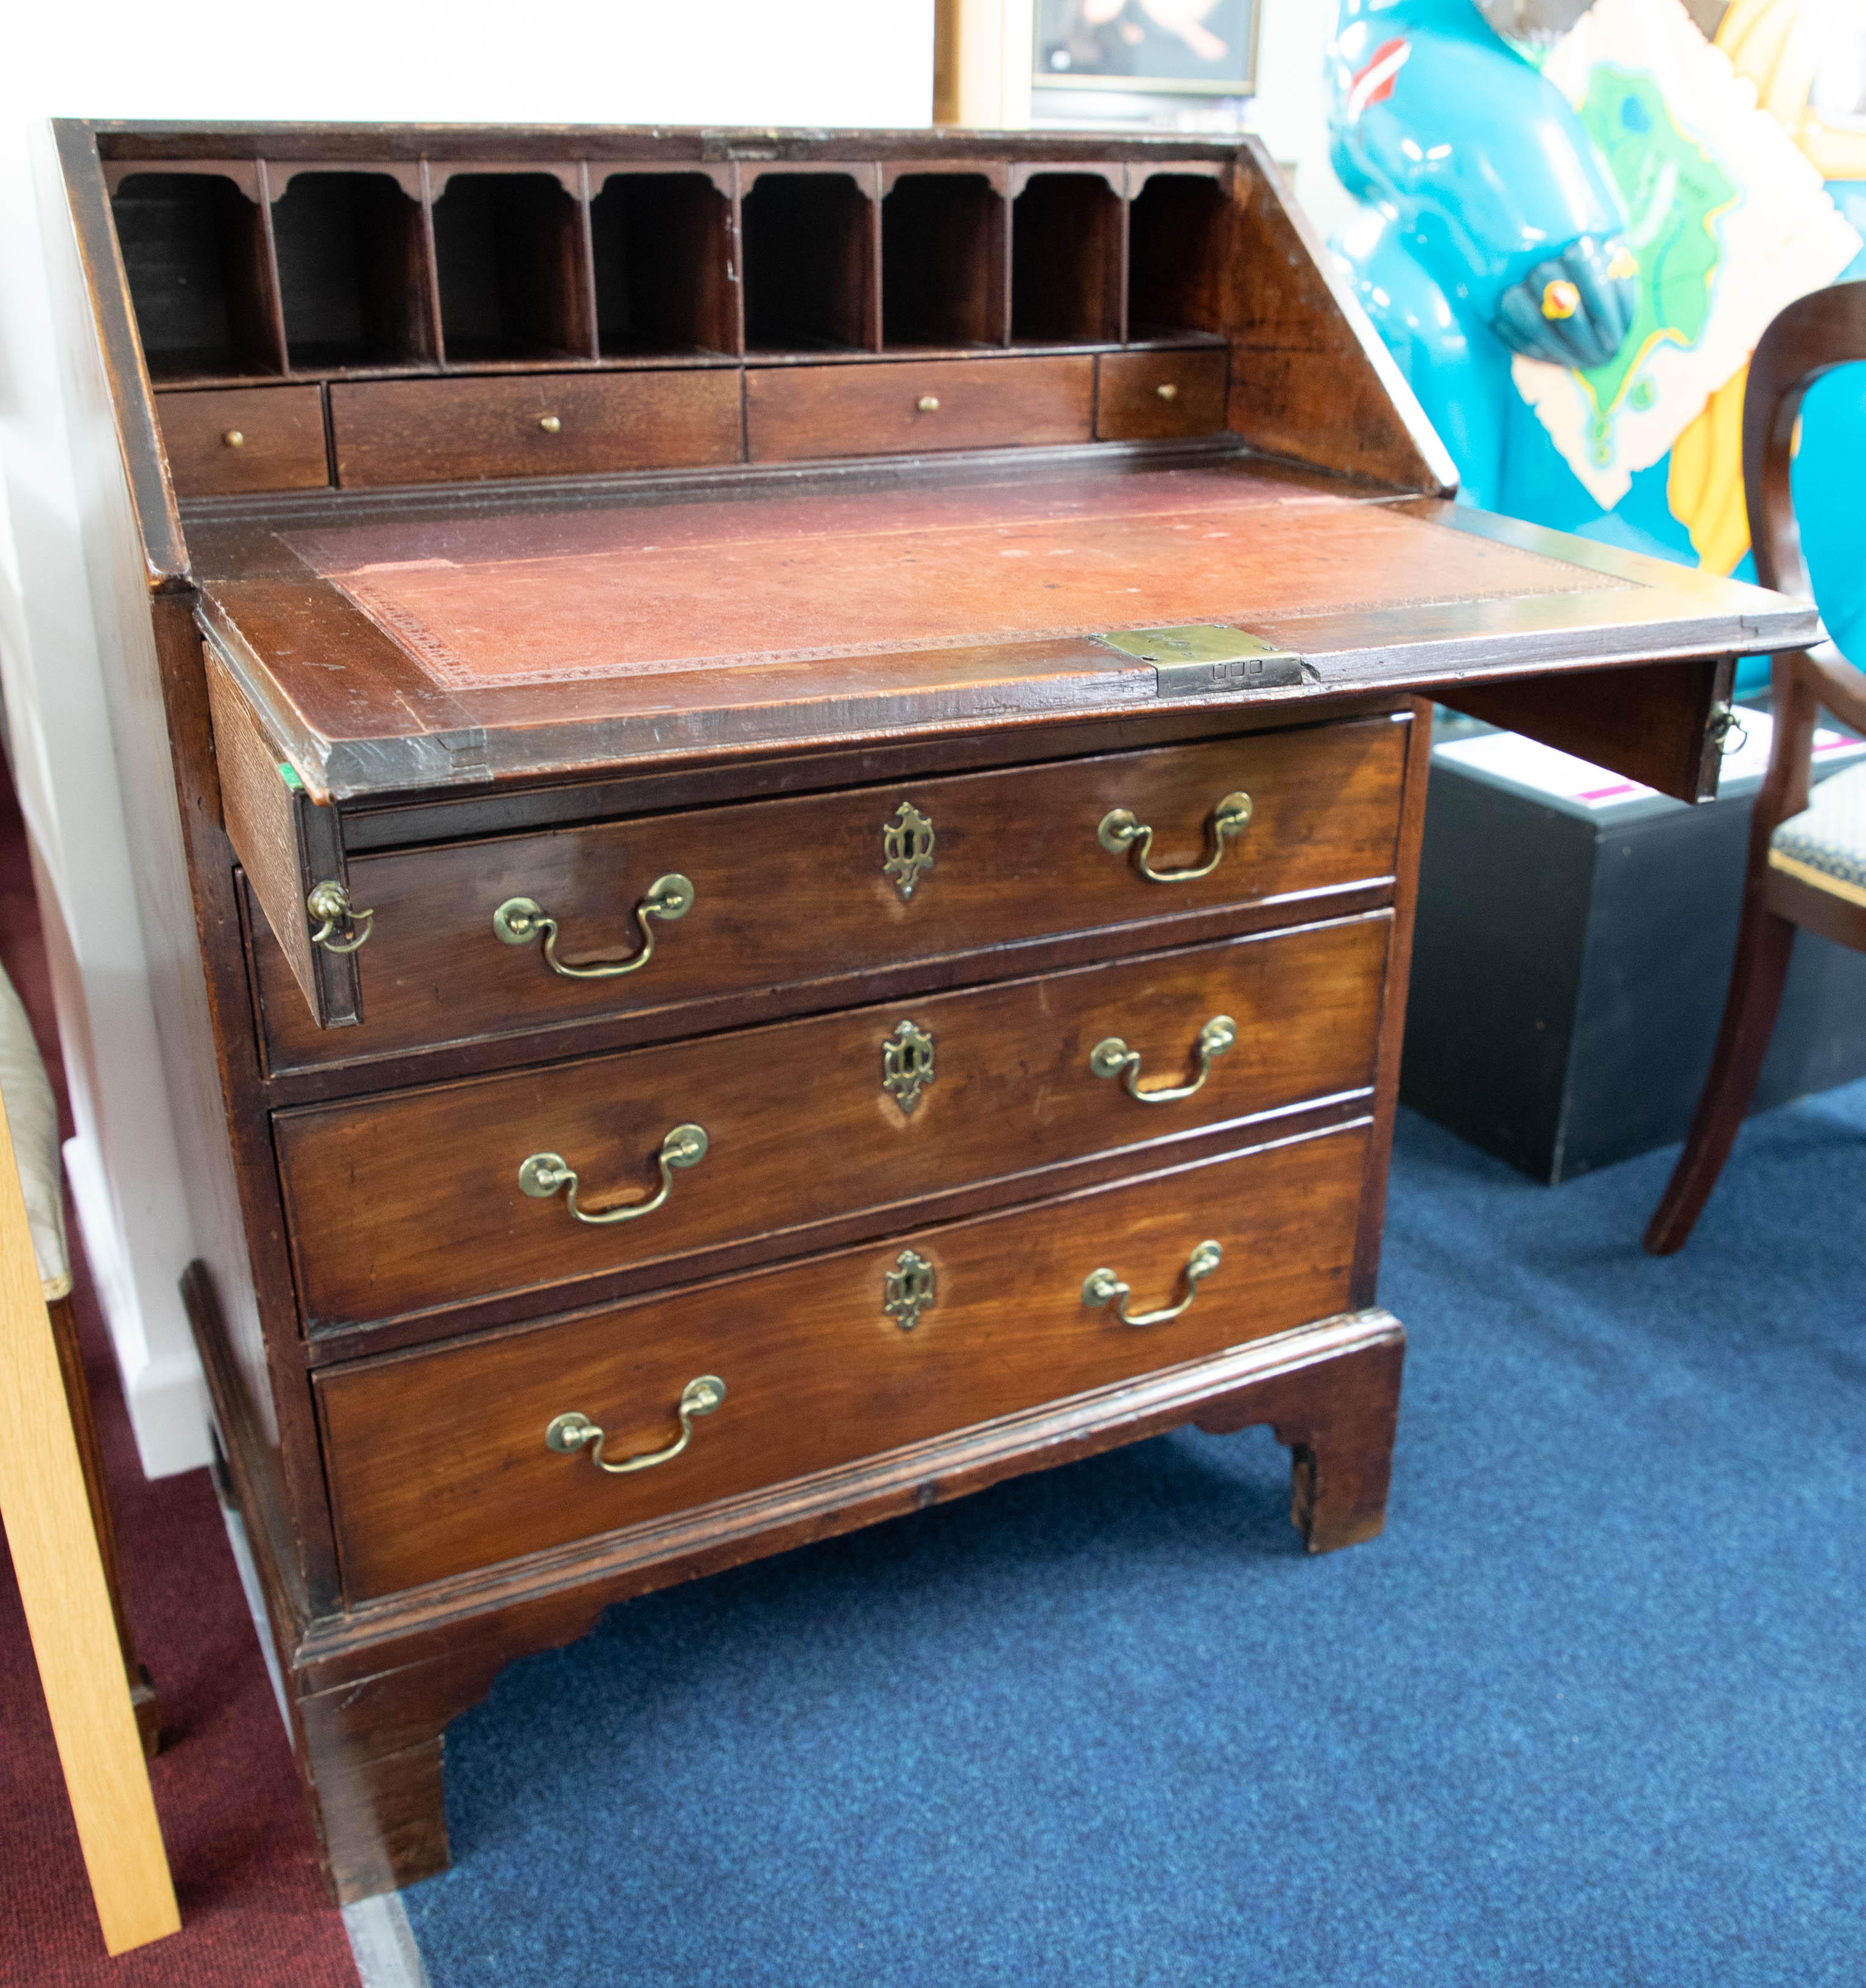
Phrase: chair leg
(1764, 946)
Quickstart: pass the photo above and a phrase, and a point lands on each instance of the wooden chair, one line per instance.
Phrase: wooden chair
(32, 1115)
(1807, 856)
(58, 1523)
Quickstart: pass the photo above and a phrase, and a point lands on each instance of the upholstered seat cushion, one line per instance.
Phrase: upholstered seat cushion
(32, 1120)
(1825, 845)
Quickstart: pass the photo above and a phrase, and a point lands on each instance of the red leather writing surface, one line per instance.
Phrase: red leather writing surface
(537, 598)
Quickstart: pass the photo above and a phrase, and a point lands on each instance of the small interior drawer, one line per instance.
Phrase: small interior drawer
(907, 407)
(437, 1460)
(393, 432)
(1149, 396)
(414, 1202)
(227, 442)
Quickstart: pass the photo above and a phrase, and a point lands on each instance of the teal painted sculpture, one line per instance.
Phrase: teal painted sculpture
(1571, 242)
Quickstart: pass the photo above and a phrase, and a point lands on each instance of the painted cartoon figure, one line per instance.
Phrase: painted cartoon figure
(1570, 274)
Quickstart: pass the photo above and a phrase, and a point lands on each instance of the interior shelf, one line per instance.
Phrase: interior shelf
(808, 247)
(509, 250)
(1066, 232)
(193, 247)
(942, 261)
(662, 248)
(353, 273)
(1176, 230)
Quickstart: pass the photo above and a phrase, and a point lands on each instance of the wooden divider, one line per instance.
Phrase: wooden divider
(245, 270)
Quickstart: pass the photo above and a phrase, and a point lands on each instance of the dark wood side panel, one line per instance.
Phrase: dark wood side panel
(1392, 1025)
(183, 876)
(97, 317)
(1310, 378)
(438, 1461)
(260, 811)
(1661, 723)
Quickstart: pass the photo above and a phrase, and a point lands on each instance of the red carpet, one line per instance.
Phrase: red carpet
(254, 1910)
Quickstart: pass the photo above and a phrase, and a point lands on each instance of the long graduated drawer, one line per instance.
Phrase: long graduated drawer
(439, 1461)
(433, 1198)
(779, 901)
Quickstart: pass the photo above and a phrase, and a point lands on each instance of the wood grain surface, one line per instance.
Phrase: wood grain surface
(410, 1202)
(797, 412)
(437, 1460)
(393, 432)
(67, 1603)
(1131, 406)
(790, 893)
(280, 445)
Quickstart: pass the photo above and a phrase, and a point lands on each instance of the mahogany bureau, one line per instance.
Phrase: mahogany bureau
(779, 780)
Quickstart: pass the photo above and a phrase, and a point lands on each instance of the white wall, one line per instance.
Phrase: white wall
(1291, 114)
(611, 61)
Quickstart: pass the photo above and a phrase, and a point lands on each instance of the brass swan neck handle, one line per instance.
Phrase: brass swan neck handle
(570, 1433)
(1121, 833)
(1112, 1057)
(543, 1174)
(1103, 1287)
(518, 921)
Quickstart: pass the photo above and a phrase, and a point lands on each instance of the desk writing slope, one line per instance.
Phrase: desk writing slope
(507, 624)
(724, 992)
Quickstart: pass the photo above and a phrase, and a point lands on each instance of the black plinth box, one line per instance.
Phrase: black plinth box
(1573, 951)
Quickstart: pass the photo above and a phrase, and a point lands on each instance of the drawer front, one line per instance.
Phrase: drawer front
(789, 895)
(908, 406)
(227, 443)
(414, 1202)
(391, 431)
(1148, 396)
(437, 1461)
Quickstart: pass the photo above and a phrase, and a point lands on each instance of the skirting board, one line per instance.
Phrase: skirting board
(167, 1397)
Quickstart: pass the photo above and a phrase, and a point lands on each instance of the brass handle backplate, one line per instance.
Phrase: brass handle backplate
(518, 921)
(1112, 1057)
(1120, 832)
(543, 1174)
(568, 1434)
(1103, 1287)
(328, 902)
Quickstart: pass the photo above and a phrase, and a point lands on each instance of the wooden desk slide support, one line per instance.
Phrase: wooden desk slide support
(68, 1605)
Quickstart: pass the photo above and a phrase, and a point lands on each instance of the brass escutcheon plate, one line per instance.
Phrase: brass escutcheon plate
(906, 1064)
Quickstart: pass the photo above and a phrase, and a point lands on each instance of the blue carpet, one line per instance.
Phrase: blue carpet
(1591, 1711)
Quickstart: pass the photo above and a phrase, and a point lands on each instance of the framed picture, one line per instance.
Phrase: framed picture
(1193, 48)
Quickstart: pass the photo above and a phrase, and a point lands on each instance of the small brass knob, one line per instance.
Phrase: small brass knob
(1167, 390)
(549, 423)
(929, 404)
(233, 439)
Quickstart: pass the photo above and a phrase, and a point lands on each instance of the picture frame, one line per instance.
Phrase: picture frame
(1178, 48)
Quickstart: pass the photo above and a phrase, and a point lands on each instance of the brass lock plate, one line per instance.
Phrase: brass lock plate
(1197, 660)
(909, 1289)
(907, 847)
(906, 1065)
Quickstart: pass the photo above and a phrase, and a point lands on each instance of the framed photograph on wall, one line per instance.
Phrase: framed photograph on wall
(1190, 48)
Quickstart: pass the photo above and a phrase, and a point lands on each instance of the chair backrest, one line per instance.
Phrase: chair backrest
(1812, 335)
